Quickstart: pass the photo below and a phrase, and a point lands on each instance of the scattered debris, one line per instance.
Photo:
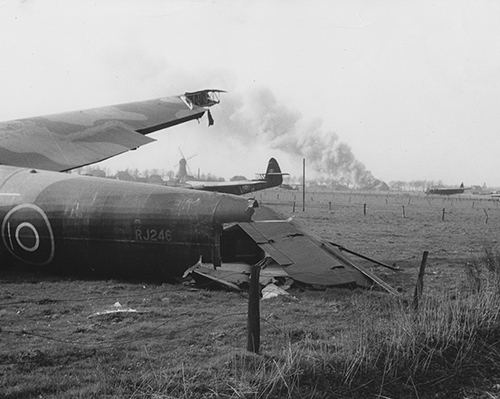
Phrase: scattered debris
(116, 308)
(350, 251)
(272, 291)
(291, 256)
(208, 277)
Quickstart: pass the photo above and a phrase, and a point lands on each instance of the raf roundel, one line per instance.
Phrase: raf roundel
(27, 234)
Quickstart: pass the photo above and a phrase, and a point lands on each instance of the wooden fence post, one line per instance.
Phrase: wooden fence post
(442, 217)
(419, 286)
(364, 209)
(253, 321)
(404, 213)
(303, 185)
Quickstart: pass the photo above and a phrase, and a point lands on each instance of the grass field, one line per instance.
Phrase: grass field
(185, 342)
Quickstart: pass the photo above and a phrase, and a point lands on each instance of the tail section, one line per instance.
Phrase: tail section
(273, 176)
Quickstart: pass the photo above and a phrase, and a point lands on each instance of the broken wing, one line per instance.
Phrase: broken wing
(70, 140)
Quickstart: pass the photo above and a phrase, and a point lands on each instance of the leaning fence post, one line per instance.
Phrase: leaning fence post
(442, 217)
(419, 286)
(404, 214)
(293, 210)
(253, 321)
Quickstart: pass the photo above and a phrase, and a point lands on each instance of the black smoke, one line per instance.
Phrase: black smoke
(259, 117)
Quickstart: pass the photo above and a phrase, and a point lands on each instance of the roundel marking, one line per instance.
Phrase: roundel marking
(19, 240)
(27, 234)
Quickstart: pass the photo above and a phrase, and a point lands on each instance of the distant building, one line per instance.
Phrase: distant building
(124, 175)
(237, 178)
(155, 179)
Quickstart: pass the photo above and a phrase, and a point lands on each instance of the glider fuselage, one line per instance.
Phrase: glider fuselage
(74, 222)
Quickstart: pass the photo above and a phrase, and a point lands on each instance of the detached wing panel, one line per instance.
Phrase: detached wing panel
(70, 140)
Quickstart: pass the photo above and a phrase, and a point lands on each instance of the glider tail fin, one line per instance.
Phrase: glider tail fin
(273, 173)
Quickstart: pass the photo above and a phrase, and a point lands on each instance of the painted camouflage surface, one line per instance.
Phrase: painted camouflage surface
(69, 140)
(108, 226)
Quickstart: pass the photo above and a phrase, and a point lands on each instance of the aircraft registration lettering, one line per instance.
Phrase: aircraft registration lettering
(146, 234)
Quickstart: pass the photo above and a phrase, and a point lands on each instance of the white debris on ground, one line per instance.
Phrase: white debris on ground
(116, 308)
(272, 291)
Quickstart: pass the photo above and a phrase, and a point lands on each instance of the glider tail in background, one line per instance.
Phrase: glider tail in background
(273, 175)
(272, 178)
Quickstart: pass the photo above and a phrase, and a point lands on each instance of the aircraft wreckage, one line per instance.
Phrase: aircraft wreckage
(72, 223)
(286, 255)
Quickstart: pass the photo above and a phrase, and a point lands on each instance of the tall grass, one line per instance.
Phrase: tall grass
(390, 350)
(453, 337)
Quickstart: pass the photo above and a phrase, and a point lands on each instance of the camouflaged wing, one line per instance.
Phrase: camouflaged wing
(70, 140)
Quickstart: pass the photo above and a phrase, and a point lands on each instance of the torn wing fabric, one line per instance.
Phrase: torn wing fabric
(70, 140)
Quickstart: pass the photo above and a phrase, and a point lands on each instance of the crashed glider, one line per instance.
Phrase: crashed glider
(272, 178)
(72, 222)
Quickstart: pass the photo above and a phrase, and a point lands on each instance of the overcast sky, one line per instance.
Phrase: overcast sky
(413, 87)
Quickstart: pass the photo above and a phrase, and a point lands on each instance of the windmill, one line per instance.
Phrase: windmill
(184, 172)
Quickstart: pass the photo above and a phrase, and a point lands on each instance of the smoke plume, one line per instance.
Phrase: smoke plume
(260, 117)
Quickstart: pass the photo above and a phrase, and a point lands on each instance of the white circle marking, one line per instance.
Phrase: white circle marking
(37, 237)
(49, 227)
